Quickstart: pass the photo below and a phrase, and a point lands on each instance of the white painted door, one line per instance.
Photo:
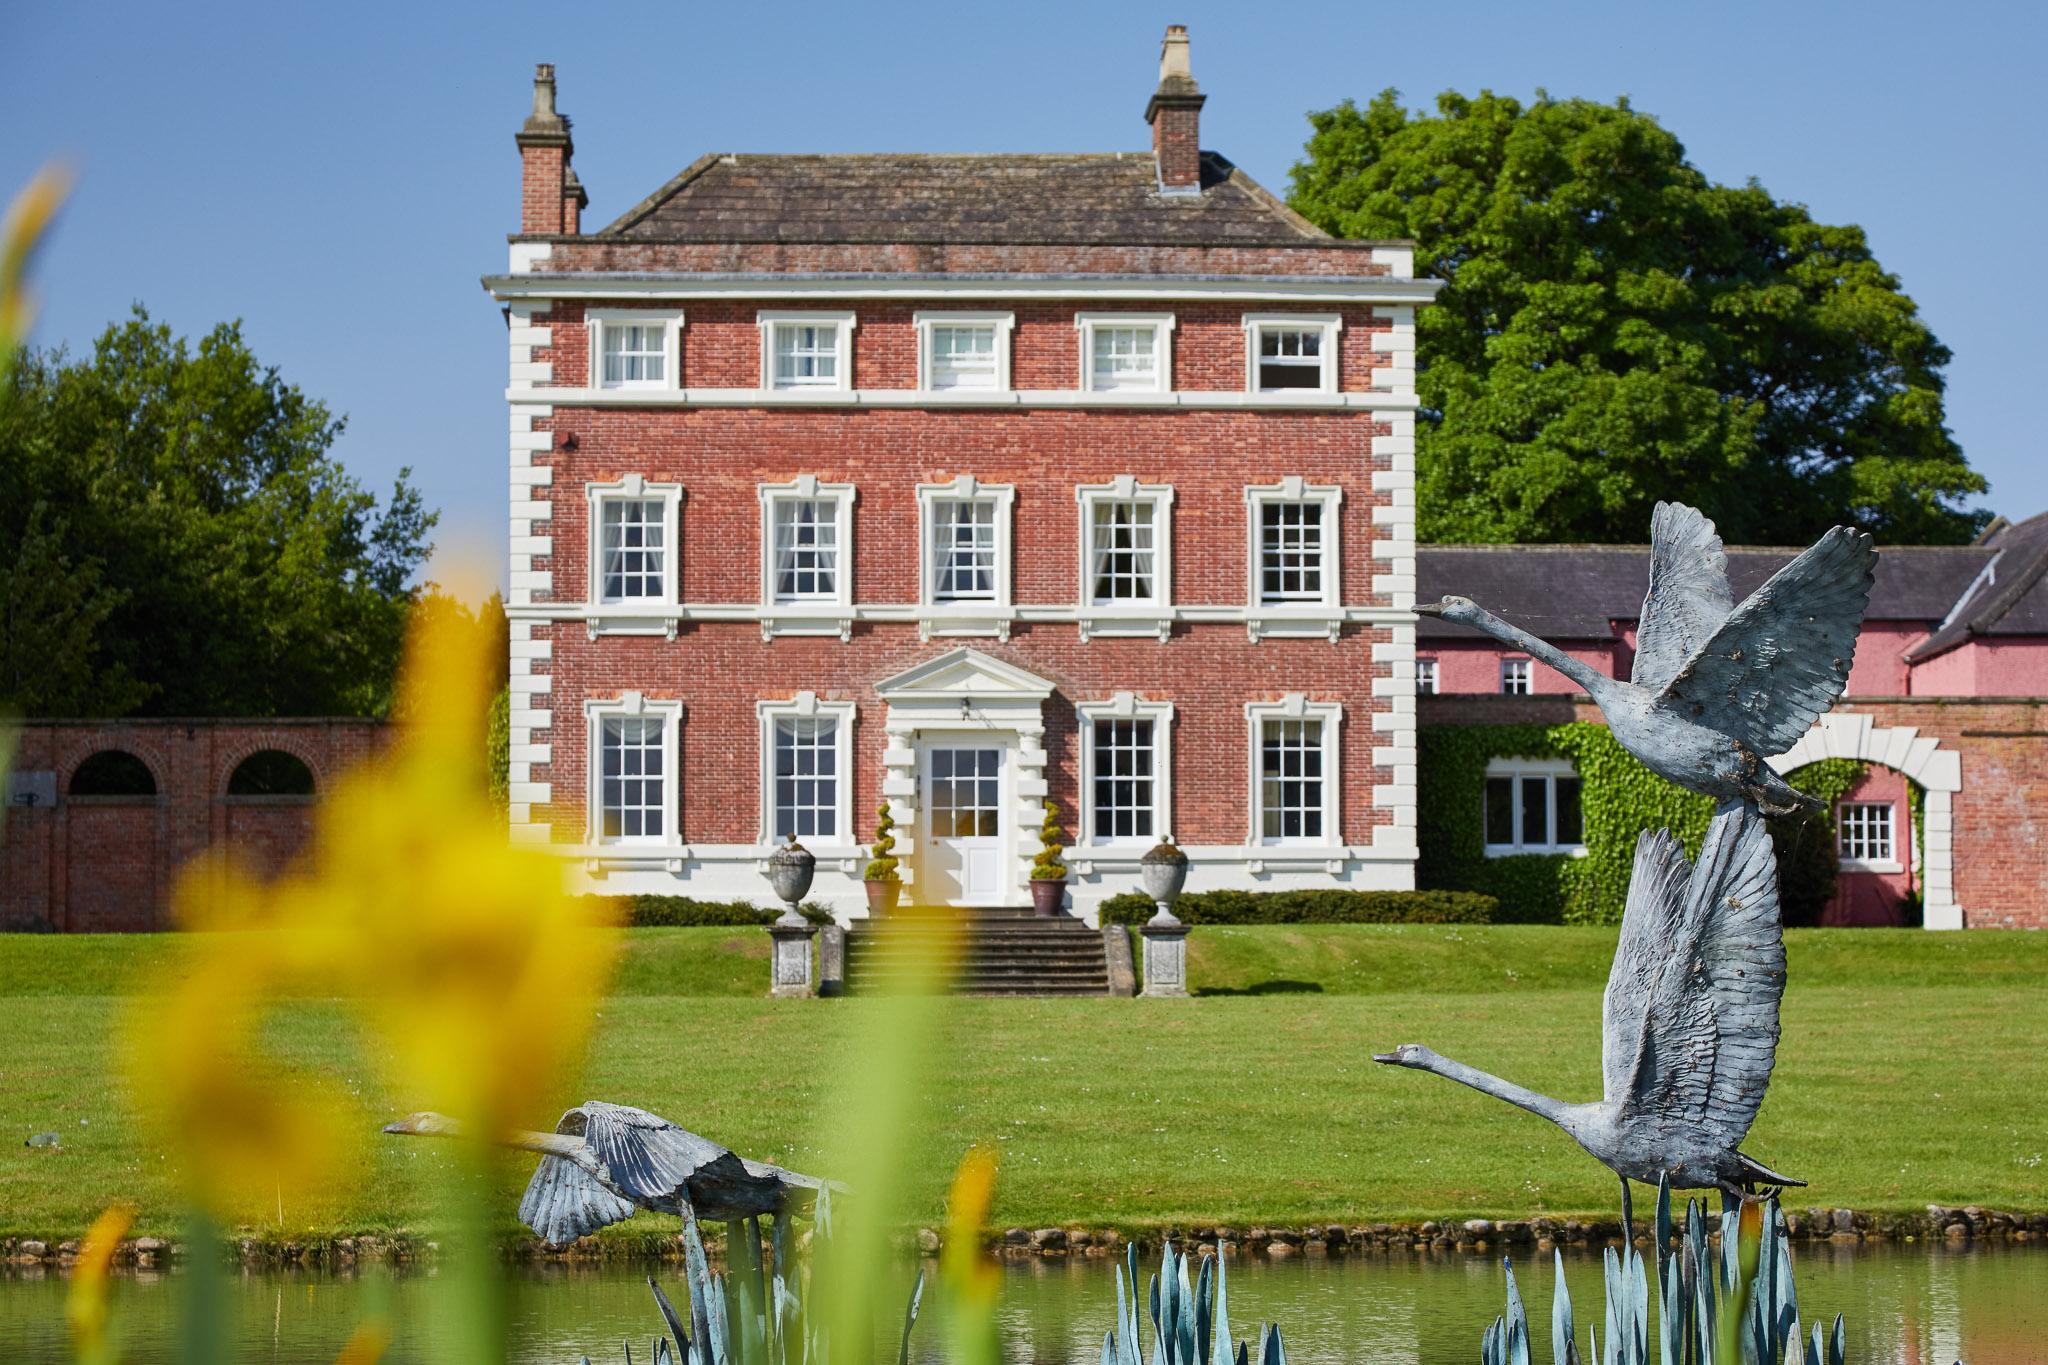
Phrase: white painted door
(964, 823)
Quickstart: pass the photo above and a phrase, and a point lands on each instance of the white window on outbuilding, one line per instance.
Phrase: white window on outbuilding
(634, 348)
(967, 351)
(1126, 352)
(1865, 836)
(1533, 806)
(1515, 677)
(1291, 354)
(1425, 677)
(807, 350)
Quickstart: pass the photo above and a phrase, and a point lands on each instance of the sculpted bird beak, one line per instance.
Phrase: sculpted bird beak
(1429, 609)
(1390, 1058)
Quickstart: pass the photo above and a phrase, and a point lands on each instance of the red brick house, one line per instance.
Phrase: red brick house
(1948, 692)
(962, 483)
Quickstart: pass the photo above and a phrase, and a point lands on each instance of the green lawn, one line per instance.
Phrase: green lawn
(1910, 1073)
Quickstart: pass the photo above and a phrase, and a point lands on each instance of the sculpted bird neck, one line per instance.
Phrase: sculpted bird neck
(1595, 682)
(1487, 1084)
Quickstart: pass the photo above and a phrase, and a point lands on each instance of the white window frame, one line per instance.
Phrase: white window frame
(595, 321)
(1515, 770)
(927, 323)
(1294, 706)
(807, 616)
(1128, 706)
(1162, 348)
(1153, 616)
(806, 706)
(1521, 669)
(1323, 616)
(1891, 816)
(631, 705)
(1428, 680)
(770, 320)
(633, 488)
(1331, 325)
(992, 617)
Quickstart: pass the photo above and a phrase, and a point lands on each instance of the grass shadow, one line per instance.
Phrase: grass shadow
(1282, 987)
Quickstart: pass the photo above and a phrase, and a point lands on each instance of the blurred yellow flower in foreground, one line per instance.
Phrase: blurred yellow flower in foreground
(85, 1307)
(471, 971)
(28, 217)
(971, 1276)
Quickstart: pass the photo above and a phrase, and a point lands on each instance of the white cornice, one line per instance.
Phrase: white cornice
(619, 614)
(1383, 289)
(1286, 400)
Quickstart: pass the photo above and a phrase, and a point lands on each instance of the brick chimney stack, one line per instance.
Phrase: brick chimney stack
(551, 198)
(1175, 114)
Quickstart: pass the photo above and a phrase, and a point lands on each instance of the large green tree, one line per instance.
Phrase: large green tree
(1616, 328)
(177, 539)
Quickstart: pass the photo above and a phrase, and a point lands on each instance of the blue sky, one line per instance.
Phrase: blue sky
(338, 176)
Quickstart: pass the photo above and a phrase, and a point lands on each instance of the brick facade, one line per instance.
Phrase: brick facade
(89, 864)
(1207, 250)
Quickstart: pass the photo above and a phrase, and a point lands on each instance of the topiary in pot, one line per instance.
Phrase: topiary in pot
(1048, 873)
(884, 883)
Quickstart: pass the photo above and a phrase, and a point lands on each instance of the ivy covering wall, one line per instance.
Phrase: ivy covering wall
(1620, 798)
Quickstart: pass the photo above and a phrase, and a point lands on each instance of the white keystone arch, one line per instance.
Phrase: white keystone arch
(1938, 771)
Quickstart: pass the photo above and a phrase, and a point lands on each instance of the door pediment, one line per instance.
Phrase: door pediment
(961, 674)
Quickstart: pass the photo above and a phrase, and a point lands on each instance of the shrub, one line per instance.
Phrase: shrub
(682, 912)
(1334, 906)
(882, 866)
(1046, 865)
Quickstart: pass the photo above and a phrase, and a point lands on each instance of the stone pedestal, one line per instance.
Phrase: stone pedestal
(1166, 957)
(790, 963)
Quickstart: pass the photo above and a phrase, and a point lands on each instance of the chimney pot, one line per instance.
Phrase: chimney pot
(551, 198)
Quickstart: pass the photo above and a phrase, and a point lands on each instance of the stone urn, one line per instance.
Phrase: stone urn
(1163, 871)
(790, 869)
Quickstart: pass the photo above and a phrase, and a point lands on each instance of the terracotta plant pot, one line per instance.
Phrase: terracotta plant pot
(882, 896)
(1046, 896)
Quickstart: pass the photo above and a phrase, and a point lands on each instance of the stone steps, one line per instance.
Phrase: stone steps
(1005, 952)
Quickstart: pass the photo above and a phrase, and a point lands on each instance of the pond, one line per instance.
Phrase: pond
(1905, 1305)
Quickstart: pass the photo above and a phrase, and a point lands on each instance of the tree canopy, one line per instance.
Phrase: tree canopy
(1617, 329)
(176, 539)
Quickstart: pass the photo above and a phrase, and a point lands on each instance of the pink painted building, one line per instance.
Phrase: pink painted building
(1946, 624)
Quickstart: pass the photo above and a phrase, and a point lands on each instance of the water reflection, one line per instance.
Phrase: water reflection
(1906, 1305)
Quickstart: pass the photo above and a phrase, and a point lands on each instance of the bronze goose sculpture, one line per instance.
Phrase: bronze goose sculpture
(1718, 688)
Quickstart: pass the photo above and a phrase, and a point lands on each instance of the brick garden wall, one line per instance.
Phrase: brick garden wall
(109, 863)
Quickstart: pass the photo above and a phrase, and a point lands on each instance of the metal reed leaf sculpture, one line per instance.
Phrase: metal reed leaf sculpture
(1718, 688)
(1190, 1317)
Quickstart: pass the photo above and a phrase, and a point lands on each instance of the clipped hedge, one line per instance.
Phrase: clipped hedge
(684, 912)
(1333, 906)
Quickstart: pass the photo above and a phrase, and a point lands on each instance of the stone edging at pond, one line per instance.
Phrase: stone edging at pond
(1955, 1226)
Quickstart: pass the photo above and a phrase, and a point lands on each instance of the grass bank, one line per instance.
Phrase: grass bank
(1910, 1073)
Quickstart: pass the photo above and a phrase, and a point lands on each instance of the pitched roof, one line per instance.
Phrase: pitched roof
(1577, 592)
(2009, 596)
(1083, 199)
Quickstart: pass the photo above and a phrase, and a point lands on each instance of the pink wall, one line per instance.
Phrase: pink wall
(1880, 666)
(2016, 667)
(1873, 897)
(1475, 666)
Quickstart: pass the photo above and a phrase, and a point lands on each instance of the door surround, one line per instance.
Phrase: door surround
(963, 693)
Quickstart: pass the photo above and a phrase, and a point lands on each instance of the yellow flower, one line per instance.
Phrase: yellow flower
(973, 1280)
(85, 1307)
(27, 219)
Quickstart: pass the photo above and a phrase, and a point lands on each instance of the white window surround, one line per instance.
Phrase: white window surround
(1128, 706)
(631, 705)
(1320, 617)
(1517, 677)
(634, 488)
(1002, 323)
(831, 615)
(1330, 325)
(1514, 770)
(1162, 349)
(1872, 829)
(806, 706)
(992, 617)
(595, 321)
(843, 321)
(1294, 706)
(1152, 616)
